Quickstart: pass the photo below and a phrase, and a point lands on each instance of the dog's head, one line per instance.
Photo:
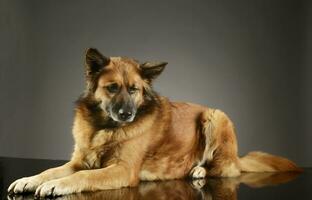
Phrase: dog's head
(119, 85)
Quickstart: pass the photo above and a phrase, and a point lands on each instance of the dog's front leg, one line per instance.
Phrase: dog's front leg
(29, 184)
(112, 177)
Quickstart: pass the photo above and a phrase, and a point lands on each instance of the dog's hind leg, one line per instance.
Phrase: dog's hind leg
(219, 157)
(206, 131)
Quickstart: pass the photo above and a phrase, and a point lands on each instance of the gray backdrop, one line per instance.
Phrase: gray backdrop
(250, 58)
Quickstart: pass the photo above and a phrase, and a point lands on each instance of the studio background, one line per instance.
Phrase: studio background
(250, 58)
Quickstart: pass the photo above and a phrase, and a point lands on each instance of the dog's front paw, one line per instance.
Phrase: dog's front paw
(54, 188)
(198, 172)
(26, 184)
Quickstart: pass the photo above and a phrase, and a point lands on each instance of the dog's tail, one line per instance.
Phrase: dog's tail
(257, 161)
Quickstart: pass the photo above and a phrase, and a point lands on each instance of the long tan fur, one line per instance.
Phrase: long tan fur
(165, 140)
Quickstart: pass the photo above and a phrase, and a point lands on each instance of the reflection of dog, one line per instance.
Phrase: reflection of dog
(124, 132)
(205, 189)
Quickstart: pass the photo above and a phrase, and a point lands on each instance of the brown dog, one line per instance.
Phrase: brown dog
(124, 132)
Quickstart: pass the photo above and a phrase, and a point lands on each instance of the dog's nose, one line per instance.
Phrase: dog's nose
(124, 115)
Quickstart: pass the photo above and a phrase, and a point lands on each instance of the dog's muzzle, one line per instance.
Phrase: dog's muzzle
(122, 114)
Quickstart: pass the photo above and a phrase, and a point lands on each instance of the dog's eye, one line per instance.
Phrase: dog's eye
(133, 89)
(113, 88)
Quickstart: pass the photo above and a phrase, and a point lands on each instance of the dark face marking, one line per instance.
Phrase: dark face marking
(122, 107)
(120, 91)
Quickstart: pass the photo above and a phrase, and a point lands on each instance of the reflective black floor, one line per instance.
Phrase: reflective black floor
(262, 186)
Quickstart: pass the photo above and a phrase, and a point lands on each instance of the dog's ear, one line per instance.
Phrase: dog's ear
(95, 61)
(150, 70)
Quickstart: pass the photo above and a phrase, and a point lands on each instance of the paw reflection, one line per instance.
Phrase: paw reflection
(205, 189)
(198, 183)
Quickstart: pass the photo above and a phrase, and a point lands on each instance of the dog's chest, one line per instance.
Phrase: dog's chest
(100, 150)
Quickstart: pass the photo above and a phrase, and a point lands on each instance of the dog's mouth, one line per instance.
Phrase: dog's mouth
(122, 116)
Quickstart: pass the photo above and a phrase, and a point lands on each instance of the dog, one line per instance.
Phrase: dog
(125, 133)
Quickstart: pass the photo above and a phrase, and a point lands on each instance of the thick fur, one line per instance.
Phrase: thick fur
(164, 140)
